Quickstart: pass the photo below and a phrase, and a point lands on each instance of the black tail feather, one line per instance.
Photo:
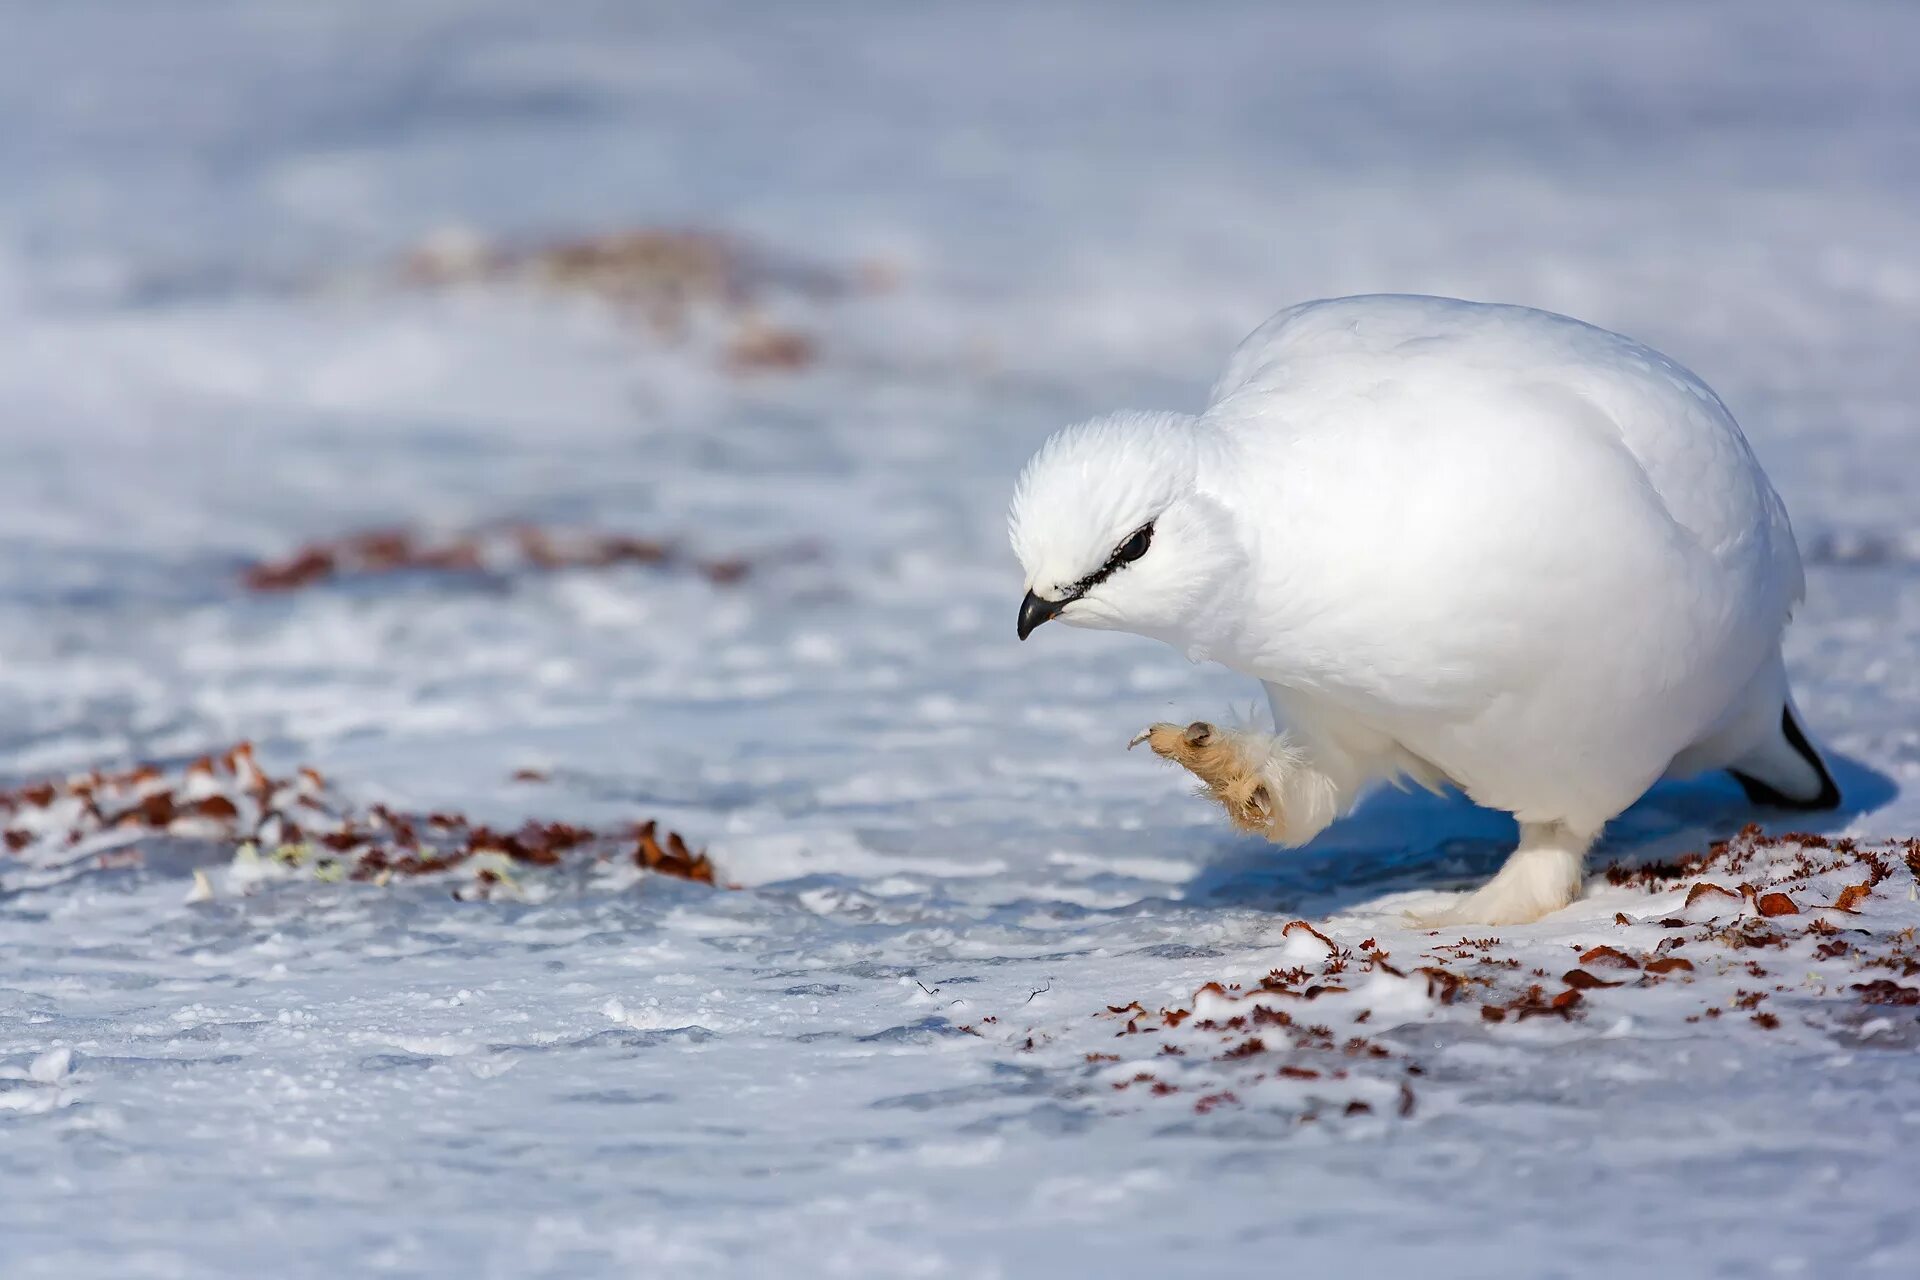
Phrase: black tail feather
(1761, 793)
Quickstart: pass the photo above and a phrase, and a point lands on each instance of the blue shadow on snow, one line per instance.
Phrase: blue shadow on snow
(1405, 840)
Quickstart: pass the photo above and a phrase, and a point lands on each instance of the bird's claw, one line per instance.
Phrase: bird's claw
(1196, 735)
(1223, 764)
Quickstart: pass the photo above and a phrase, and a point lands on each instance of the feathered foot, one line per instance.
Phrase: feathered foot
(1266, 782)
(1231, 765)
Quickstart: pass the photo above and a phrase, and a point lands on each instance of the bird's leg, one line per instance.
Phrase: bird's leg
(1544, 874)
(1263, 781)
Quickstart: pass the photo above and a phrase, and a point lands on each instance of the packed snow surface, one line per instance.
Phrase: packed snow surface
(964, 999)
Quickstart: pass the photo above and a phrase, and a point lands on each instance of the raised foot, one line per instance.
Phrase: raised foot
(1229, 768)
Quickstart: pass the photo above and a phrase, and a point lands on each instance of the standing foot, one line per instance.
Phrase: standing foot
(1541, 876)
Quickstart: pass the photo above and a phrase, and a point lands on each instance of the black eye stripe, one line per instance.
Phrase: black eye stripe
(1126, 553)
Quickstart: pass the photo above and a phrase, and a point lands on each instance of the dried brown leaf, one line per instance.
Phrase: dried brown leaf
(1706, 889)
(1852, 896)
(217, 807)
(1302, 925)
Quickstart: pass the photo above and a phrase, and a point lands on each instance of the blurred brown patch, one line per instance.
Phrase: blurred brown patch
(757, 348)
(668, 279)
(495, 552)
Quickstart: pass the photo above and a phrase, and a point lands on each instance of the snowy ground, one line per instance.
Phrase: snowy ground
(872, 1057)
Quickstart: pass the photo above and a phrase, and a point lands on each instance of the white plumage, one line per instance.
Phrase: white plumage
(1457, 542)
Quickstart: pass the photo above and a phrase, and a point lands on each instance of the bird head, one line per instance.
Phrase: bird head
(1113, 532)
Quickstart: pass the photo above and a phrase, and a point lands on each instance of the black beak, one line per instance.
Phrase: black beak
(1034, 611)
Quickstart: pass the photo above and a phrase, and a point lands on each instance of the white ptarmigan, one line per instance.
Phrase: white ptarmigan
(1458, 543)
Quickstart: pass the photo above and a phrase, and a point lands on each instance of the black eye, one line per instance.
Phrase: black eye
(1136, 546)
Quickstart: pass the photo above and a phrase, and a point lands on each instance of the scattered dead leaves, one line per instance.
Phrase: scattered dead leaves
(297, 822)
(1313, 1039)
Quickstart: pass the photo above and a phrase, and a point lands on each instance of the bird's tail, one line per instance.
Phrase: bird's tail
(1785, 770)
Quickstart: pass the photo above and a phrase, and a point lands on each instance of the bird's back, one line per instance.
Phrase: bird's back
(1440, 365)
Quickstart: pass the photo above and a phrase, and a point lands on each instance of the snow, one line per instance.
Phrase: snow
(932, 825)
